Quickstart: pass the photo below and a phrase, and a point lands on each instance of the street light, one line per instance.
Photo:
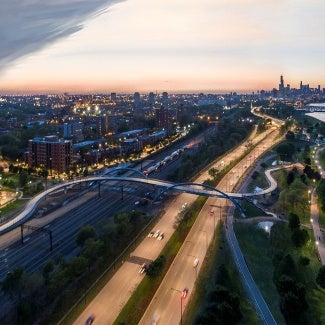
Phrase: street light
(206, 237)
(195, 264)
(214, 223)
(181, 302)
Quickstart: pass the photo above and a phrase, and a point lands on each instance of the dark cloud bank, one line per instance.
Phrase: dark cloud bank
(28, 25)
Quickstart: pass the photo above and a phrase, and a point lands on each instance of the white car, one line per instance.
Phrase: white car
(151, 233)
(196, 262)
(156, 234)
(184, 205)
(143, 268)
(155, 320)
(161, 236)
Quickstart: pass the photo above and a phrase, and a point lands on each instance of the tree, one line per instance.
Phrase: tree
(156, 266)
(23, 179)
(285, 150)
(93, 249)
(77, 266)
(290, 136)
(304, 261)
(294, 222)
(320, 279)
(213, 172)
(85, 233)
(290, 177)
(13, 283)
(299, 237)
(47, 269)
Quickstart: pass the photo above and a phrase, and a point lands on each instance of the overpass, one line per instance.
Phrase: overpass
(164, 186)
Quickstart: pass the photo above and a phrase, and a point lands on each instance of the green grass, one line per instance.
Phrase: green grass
(255, 246)
(218, 254)
(260, 181)
(256, 249)
(11, 208)
(251, 211)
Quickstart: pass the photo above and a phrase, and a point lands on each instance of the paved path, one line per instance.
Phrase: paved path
(314, 213)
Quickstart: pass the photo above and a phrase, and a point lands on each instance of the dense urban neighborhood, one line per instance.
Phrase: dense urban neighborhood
(170, 208)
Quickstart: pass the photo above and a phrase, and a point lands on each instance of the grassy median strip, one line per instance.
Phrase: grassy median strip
(218, 255)
(138, 303)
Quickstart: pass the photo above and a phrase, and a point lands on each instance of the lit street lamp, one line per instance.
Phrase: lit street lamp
(182, 297)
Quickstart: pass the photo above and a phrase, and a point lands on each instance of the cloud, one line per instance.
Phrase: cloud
(27, 26)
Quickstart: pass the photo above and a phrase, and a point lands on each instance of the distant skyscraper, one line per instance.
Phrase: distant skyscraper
(113, 96)
(151, 98)
(136, 100)
(165, 98)
(281, 86)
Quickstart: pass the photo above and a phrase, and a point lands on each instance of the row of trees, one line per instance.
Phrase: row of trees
(230, 132)
(33, 294)
(222, 302)
(286, 276)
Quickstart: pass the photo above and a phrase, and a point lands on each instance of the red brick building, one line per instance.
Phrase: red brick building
(50, 153)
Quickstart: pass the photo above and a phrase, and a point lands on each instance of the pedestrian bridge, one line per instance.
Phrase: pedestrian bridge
(164, 186)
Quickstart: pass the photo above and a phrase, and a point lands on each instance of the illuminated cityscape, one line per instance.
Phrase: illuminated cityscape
(162, 162)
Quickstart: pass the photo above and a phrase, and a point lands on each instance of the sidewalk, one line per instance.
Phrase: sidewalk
(314, 215)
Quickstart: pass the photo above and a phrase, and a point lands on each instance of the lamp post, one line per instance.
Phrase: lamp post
(214, 223)
(181, 303)
(206, 237)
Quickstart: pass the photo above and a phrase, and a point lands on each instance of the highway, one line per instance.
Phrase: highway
(150, 248)
(166, 302)
(114, 293)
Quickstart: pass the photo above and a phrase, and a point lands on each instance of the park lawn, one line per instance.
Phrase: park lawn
(255, 246)
(259, 261)
(218, 254)
(251, 211)
(260, 181)
(11, 208)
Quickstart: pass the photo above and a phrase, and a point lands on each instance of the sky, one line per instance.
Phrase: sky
(82, 46)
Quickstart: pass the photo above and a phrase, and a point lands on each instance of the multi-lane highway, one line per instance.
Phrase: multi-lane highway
(166, 301)
(65, 221)
(117, 291)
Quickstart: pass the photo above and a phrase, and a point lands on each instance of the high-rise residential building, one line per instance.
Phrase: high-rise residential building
(113, 97)
(164, 118)
(50, 153)
(136, 100)
(151, 99)
(73, 130)
(165, 98)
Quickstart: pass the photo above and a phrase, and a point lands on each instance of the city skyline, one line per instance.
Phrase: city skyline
(174, 46)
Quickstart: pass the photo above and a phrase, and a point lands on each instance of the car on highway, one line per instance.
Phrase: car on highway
(143, 268)
(156, 234)
(184, 293)
(151, 233)
(184, 206)
(196, 262)
(155, 320)
(90, 319)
